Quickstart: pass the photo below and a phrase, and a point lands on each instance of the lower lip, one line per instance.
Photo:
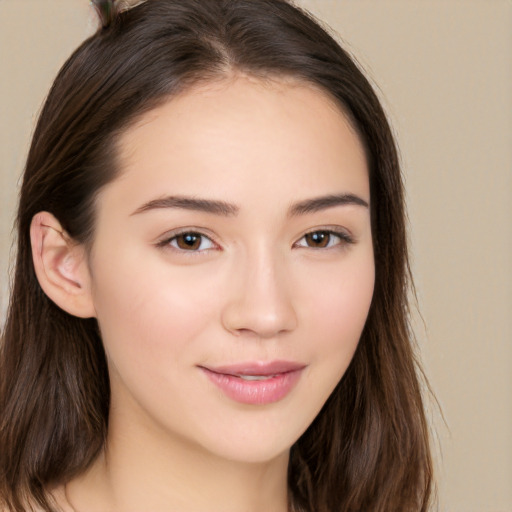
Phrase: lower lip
(255, 392)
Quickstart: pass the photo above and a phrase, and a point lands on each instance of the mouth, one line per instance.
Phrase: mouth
(255, 377)
(256, 383)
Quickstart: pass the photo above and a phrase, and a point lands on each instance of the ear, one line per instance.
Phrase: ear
(61, 266)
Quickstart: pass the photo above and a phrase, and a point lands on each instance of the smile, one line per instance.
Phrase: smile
(255, 383)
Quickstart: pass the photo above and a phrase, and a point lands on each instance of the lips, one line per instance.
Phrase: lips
(255, 383)
(257, 368)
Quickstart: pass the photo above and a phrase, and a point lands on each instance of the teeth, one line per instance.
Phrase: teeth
(256, 377)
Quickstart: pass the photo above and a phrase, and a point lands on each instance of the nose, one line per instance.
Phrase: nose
(259, 301)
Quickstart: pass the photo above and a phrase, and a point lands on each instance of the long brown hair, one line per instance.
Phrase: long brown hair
(369, 448)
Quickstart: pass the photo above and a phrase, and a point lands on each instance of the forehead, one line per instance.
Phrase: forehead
(248, 133)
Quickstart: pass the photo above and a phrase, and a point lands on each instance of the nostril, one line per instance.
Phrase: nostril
(247, 321)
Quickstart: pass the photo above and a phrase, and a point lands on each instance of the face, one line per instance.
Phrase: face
(232, 268)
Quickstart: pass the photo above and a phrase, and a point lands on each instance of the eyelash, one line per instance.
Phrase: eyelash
(167, 242)
(344, 240)
(343, 236)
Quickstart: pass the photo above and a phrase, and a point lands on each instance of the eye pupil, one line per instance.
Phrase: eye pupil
(318, 239)
(188, 241)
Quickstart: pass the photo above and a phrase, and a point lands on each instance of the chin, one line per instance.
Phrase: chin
(255, 439)
(247, 451)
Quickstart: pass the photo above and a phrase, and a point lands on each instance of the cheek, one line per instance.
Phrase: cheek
(339, 313)
(146, 314)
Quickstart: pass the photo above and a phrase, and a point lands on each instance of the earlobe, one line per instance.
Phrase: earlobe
(61, 266)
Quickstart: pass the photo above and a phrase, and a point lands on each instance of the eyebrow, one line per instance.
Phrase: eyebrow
(190, 203)
(228, 209)
(322, 203)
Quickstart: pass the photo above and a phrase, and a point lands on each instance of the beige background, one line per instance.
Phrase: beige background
(444, 68)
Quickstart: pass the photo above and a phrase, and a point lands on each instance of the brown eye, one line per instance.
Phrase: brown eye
(191, 241)
(324, 239)
(318, 239)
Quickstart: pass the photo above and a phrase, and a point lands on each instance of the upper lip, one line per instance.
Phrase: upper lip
(256, 368)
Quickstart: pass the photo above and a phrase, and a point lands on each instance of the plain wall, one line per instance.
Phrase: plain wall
(444, 71)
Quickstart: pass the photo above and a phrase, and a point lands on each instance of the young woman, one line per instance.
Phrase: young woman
(209, 307)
